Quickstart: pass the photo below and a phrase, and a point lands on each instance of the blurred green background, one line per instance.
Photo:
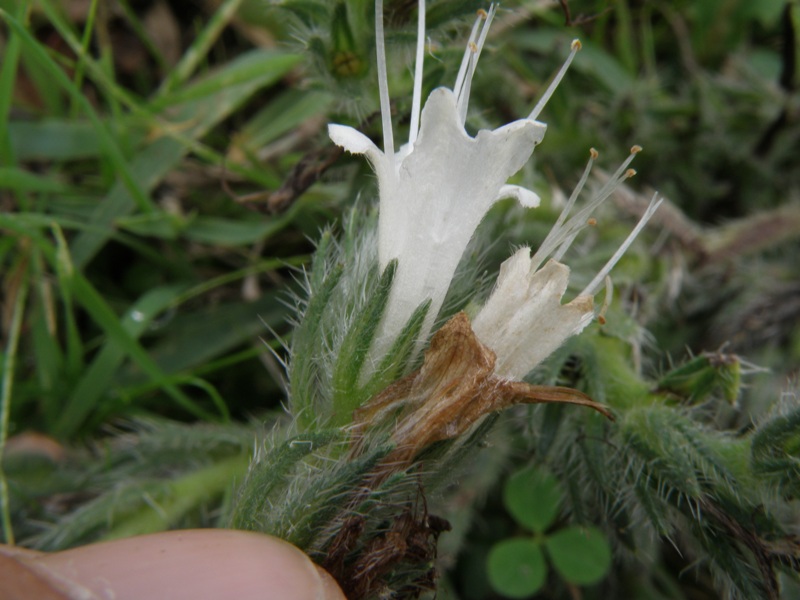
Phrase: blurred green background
(165, 170)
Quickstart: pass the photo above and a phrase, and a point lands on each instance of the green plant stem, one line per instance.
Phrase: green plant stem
(184, 494)
(200, 48)
(80, 66)
(5, 397)
(260, 267)
(106, 137)
(8, 74)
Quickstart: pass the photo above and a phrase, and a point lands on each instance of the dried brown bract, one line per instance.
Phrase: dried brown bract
(453, 389)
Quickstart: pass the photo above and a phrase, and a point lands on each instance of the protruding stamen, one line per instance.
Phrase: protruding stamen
(651, 209)
(472, 63)
(383, 85)
(557, 234)
(601, 316)
(576, 45)
(636, 149)
(462, 70)
(564, 233)
(416, 103)
(567, 239)
(617, 177)
(487, 23)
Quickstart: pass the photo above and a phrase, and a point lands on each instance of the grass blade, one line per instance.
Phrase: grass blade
(21, 283)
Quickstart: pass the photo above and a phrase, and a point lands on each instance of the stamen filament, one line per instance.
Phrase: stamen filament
(561, 236)
(576, 45)
(601, 316)
(472, 63)
(463, 98)
(594, 284)
(554, 238)
(565, 245)
(383, 85)
(416, 103)
(462, 70)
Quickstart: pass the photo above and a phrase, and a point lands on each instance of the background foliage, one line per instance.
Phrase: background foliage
(164, 170)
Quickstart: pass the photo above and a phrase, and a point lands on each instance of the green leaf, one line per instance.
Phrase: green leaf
(108, 140)
(516, 567)
(775, 451)
(285, 112)
(181, 495)
(204, 104)
(201, 45)
(533, 497)
(98, 378)
(54, 139)
(12, 178)
(581, 555)
(229, 232)
(8, 75)
(766, 12)
(193, 338)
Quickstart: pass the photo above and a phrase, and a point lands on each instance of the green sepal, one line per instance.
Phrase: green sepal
(700, 377)
(269, 475)
(396, 362)
(314, 505)
(347, 396)
(296, 492)
(319, 266)
(305, 340)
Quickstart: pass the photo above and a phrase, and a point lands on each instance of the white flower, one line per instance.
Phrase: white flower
(436, 189)
(524, 321)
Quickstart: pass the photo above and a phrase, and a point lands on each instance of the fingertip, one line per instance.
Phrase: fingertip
(330, 590)
(193, 564)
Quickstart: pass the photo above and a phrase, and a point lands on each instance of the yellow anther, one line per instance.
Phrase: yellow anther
(630, 173)
(636, 149)
(591, 222)
(483, 14)
(473, 47)
(593, 153)
(576, 44)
